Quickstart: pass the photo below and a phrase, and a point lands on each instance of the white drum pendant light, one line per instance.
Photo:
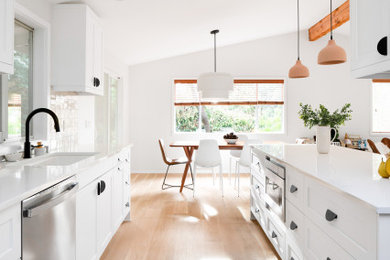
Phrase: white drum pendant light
(331, 54)
(215, 85)
(298, 70)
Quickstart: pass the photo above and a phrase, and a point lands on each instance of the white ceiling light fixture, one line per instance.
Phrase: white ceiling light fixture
(215, 85)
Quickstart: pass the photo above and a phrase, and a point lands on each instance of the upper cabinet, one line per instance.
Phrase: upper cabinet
(7, 15)
(370, 32)
(77, 50)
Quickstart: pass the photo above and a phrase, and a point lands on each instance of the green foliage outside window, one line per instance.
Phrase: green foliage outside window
(227, 118)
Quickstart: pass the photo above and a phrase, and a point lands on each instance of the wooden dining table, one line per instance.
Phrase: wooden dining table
(190, 146)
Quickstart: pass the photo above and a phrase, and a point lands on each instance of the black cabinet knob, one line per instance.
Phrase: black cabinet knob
(292, 258)
(99, 189)
(273, 235)
(96, 82)
(382, 46)
(102, 186)
(293, 188)
(330, 215)
(328, 258)
(293, 226)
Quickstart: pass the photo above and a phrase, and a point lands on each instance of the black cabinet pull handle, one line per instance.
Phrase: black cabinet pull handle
(273, 234)
(382, 46)
(330, 215)
(99, 189)
(328, 258)
(293, 188)
(293, 226)
(103, 186)
(292, 258)
(96, 82)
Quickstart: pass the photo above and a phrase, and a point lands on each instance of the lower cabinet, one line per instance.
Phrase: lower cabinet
(117, 197)
(10, 233)
(101, 207)
(104, 214)
(321, 223)
(86, 222)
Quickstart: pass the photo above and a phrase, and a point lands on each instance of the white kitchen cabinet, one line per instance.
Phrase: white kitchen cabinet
(86, 222)
(104, 222)
(7, 14)
(117, 197)
(102, 204)
(77, 50)
(370, 28)
(10, 233)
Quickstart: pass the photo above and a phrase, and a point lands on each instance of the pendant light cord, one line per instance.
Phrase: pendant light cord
(298, 32)
(331, 20)
(215, 52)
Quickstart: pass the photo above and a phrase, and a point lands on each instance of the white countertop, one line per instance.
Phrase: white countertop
(18, 182)
(351, 171)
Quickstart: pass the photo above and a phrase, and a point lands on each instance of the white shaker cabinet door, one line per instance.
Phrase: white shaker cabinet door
(86, 223)
(104, 218)
(369, 24)
(117, 197)
(7, 36)
(10, 233)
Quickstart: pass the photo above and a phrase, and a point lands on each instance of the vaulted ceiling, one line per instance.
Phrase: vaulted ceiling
(143, 30)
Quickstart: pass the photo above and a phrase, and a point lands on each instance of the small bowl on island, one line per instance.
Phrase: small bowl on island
(231, 138)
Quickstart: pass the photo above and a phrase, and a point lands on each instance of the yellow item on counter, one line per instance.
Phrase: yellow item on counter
(383, 169)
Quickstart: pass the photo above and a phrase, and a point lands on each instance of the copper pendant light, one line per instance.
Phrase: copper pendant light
(332, 53)
(298, 70)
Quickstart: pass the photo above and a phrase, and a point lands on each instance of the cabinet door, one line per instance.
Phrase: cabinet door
(10, 233)
(117, 197)
(6, 36)
(86, 222)
(98, 57)
(126, 188)
(104, 229)
(369, 24)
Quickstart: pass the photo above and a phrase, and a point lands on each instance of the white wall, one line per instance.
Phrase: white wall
(40, 7)
(151, 88)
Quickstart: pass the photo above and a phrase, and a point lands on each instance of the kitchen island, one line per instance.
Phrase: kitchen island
(335, 206)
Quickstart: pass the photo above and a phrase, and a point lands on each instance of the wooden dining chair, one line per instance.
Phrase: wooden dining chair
(373, 146)
(171, 162)
(386, 141)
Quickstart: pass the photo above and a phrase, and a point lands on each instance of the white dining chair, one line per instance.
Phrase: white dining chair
(208, 156)
(245, 160)
(235, 155)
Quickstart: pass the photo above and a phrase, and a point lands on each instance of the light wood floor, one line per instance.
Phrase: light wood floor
(170, 225)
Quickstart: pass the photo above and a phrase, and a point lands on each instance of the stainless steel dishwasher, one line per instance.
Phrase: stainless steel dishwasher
(49, 223)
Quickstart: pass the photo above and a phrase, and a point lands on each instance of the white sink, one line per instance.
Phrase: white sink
(56, 159)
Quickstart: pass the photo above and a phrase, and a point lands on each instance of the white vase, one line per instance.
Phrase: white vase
(323, 139)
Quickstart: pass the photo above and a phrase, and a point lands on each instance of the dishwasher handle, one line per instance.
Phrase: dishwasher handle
(69, 191)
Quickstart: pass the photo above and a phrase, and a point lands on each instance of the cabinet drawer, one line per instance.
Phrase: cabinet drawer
(257, 187)
(295, 223)
(349, 222)
(295, 187)
(259, 213)
(257, 170)
(293, 251)
(318, 246)
(276, 236)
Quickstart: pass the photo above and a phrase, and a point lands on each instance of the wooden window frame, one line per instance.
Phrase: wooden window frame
(229, 103)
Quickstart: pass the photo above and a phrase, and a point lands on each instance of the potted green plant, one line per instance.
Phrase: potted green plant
(324, 120)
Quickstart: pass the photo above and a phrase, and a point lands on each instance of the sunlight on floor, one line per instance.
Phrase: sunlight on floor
(243, 213)
(209, 211)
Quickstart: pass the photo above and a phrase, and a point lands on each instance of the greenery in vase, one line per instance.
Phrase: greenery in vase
(322, 116)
